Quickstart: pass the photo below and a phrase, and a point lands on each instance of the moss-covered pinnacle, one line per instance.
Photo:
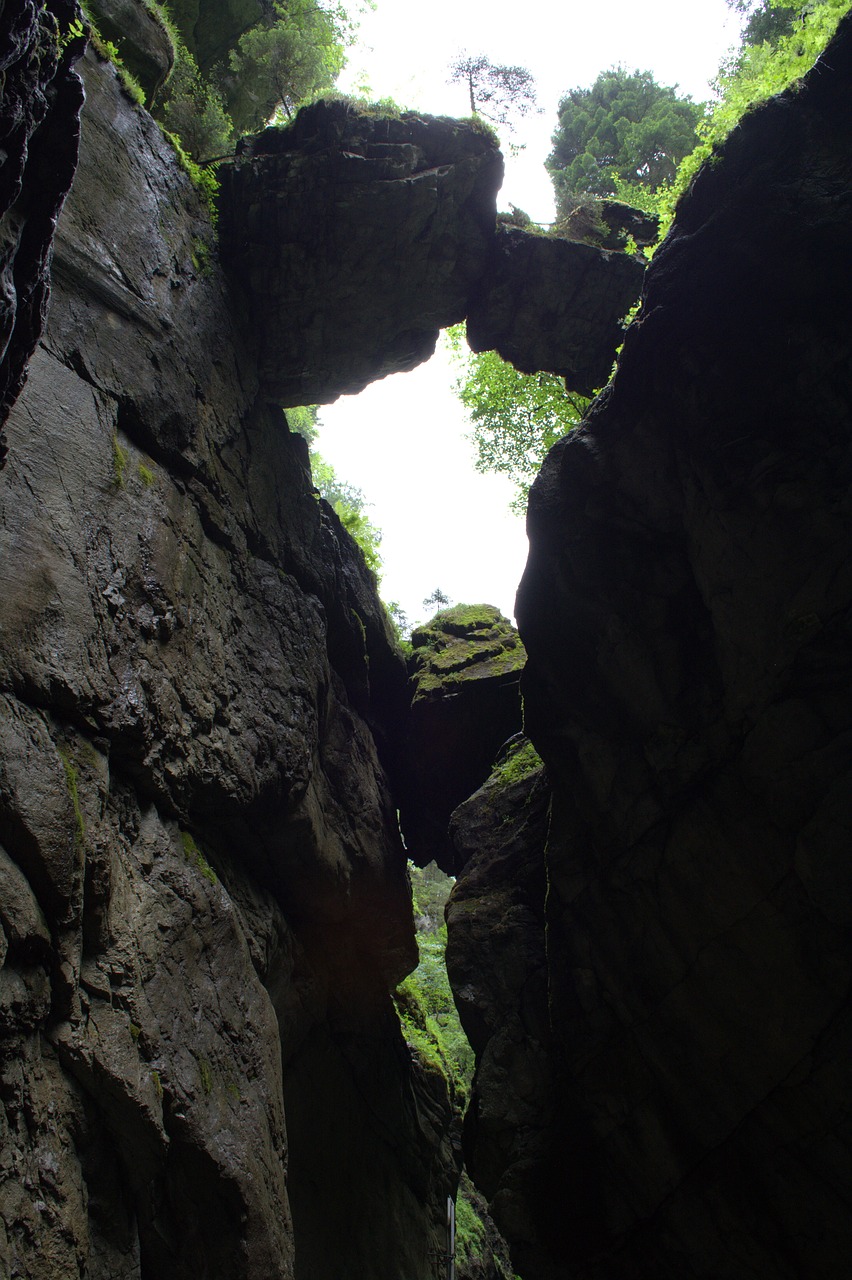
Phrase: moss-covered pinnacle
(465, 703)
(467, 642)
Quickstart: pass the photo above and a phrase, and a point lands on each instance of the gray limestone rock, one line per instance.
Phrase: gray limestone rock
(141, 37)
(686, 612)
(39, 137)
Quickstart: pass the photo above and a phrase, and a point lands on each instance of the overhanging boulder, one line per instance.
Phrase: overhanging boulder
(358, 238)
(355, 238)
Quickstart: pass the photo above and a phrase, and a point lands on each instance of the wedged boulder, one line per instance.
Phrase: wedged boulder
(39, 140)
(553, 305)
(357, 237)
(686, 611)
(465, 703)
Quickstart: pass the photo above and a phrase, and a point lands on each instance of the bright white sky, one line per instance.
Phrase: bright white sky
(403, 440)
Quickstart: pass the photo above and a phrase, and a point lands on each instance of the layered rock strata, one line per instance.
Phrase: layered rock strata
(686, 611)
(203, 892)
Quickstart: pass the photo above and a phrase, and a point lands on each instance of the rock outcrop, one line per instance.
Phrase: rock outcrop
(497, 966)
(465, 703)
(554, 305)
(203, 890)
(355, 238)
(359, 238)
(39, 138)
(686, 611)
(143, 41)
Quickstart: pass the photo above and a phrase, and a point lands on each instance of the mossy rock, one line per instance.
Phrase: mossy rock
(465, 643)
(465, 703)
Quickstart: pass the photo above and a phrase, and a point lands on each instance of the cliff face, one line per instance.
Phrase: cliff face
(39, 137)
(203, 896)
(686, 614)
(203, 891)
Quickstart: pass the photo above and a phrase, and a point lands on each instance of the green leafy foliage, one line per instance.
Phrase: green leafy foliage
(760, 69)
(515, 418)
(192, 109)
(424, 1001)
(349, 503)
(295, 53)
(303, 420)
(624, 131)
(766, 20)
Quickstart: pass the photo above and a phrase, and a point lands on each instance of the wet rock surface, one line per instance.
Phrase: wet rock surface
(144, 44)
(686, 613)
(203, 898)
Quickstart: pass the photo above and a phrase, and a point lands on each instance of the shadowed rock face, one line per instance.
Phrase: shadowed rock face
(39, 138)
(356, 238)
(686, 611)
(554, 305)
(497, 966)
(145, 46)
(203, 894)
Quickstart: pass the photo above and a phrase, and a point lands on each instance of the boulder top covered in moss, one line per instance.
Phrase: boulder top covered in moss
(464, 643)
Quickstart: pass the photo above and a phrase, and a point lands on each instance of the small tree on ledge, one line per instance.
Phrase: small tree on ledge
(496, 92)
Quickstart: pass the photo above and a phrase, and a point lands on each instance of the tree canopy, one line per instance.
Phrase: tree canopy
(496, 92)
(625, 129)
(297, 52)
(514, 417)
(767, 19)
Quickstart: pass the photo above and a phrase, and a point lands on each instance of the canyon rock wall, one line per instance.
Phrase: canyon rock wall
(203, 893)
(686, 612)
(39, 139)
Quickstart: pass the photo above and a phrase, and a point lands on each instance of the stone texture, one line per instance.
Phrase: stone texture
(554, 305)
(358, 238)
(39, 137)
(465, 703)
(144, 44)
(355, 238)
(686, 612)
(204, 896)
(498, 970)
